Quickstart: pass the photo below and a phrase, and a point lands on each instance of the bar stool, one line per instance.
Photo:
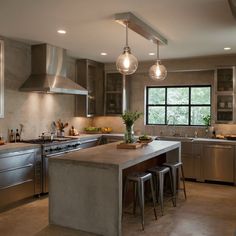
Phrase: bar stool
(174, 166)
(159, 173)
(138, 180)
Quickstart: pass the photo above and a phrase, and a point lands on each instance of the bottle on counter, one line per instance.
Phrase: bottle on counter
(72, 131)
(12, 136)
(17, 136)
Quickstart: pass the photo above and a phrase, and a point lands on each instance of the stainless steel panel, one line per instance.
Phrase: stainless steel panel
(49, 72)
(89, 143)
(15, 160)
(16, 175)
(16, 193)
(218, 163)
(38, 184)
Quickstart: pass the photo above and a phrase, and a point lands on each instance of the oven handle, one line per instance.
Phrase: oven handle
(61, 153)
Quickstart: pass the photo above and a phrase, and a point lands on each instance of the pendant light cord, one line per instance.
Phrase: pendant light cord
(158, 56)
(126, 28)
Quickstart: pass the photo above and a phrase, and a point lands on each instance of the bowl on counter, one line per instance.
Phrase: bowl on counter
(145, 139)
(106, 130)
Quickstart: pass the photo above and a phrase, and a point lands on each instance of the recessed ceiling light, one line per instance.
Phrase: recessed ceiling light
(227, 48)
(103, 53)
(61, 31)
(151, 53)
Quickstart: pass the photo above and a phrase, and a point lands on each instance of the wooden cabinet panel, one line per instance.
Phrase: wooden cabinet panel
(224, 92)
(90, 75)
(116, 93)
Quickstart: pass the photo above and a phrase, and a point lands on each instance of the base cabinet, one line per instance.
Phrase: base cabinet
(20, 176)
(187, 159)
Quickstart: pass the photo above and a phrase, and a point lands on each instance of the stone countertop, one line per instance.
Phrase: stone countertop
(197, 140)
(214, 140)
(15, 147)
(109, 155)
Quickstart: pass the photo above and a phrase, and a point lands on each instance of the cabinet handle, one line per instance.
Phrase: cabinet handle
(19, 183)
(218, 146)
(16, 168)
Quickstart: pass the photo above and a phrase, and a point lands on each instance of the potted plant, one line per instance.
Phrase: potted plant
(207, 123)
(128, 119)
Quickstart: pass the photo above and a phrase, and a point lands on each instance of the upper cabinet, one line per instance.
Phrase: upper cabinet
(90, 75)
(225, 95)
(116, 93)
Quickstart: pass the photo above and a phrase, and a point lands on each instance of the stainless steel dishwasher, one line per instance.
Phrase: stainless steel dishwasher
(218, 162)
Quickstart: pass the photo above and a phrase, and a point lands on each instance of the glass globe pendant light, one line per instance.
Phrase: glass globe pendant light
(126, 63)
(158, 71)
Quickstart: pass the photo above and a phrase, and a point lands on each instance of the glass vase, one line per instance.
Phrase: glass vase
(129, 134)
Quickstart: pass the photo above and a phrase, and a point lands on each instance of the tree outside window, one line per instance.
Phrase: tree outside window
(185, 105)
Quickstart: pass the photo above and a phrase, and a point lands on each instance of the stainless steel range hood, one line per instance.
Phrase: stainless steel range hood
(48, 72)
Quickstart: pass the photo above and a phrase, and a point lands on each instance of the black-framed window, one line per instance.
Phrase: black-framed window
(177, 105)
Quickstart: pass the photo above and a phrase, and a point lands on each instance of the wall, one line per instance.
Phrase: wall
(189, 71)
(35, 111)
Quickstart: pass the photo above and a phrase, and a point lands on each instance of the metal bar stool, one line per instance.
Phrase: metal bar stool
(174, 166)
(158, 173)
(138, 180)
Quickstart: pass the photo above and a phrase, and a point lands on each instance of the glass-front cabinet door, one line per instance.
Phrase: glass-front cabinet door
(225, 95)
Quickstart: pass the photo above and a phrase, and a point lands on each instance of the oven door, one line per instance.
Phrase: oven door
(45, 166)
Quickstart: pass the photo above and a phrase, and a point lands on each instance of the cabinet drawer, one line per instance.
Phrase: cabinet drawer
(16, 193)
(15, 160)
(16, 176)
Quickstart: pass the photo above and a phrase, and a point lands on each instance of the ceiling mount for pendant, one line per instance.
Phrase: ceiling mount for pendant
(140, 27)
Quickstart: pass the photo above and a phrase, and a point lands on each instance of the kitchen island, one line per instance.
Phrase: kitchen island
(86, 186)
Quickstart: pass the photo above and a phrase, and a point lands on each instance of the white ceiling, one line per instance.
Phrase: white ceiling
(192, 27)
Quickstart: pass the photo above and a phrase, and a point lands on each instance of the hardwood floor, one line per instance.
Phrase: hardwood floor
(209, 210)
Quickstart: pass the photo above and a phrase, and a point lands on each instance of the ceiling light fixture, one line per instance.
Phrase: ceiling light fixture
(151, 53)
(61, 31)
(158, 71)
(103, 53)
(227, 48)
(126, 63)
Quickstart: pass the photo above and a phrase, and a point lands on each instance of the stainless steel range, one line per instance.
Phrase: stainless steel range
(53, 148)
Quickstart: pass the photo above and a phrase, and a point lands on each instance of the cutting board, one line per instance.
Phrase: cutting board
(129, 145)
